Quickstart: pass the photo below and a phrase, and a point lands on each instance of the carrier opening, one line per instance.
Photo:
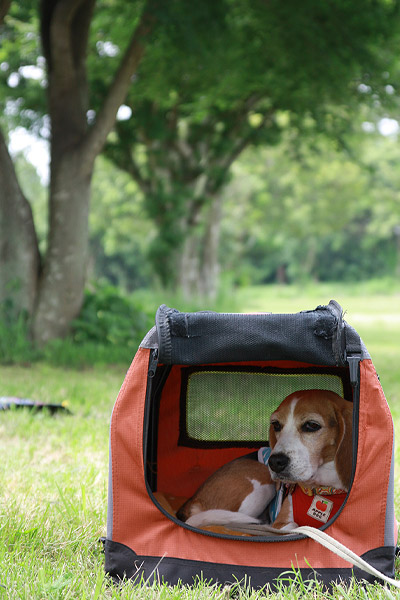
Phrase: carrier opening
(202, 417)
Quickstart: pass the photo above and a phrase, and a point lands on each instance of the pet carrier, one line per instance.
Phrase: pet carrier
(200, 392)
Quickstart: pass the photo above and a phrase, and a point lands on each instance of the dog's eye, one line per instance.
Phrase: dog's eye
(276, 425)
(310, 426)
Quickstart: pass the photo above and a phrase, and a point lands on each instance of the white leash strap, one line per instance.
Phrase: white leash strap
(334, 546)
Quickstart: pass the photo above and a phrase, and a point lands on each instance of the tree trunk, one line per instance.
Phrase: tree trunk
(198, 264)
(62, 283)
(209, 275)
(281, 274)
(4, 6)
(74, 148)
(189, 266)
(19, 252)
(397, 239)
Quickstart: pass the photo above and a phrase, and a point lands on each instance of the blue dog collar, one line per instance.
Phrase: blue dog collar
(264, 454)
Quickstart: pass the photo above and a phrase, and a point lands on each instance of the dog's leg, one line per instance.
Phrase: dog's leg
(256, 502)
(252, 506)
(217, 516)
(285, 520)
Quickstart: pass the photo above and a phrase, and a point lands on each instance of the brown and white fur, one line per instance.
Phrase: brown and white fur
(310, 435)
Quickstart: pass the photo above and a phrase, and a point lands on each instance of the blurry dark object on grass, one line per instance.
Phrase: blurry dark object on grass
(8, 402)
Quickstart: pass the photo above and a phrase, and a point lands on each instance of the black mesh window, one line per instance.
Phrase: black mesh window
(225, 407)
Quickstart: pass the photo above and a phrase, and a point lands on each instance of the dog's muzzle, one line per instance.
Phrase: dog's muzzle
(278, 462)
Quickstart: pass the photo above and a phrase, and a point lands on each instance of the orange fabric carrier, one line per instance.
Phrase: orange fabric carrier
(200, 392)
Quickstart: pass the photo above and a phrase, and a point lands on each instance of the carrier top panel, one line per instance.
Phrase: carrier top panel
(319, 337)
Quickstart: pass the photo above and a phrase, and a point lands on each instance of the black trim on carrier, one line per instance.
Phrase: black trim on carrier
(185, 439)
(121, 562)
(158, 375)
(156, 378)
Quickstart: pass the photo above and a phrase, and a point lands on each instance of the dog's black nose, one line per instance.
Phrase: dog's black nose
(278, 462)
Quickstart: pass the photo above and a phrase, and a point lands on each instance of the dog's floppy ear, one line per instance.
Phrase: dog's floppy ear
(272, 436)
(344, 453)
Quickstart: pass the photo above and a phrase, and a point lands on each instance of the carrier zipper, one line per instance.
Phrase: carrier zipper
(153, 362)
(354, 362)
(354, 374)
(150, 475)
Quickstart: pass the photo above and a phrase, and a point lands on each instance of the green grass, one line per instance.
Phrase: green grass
(53, 477)
(54, 469)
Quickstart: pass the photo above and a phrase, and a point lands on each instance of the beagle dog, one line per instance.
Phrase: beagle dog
(306, 469)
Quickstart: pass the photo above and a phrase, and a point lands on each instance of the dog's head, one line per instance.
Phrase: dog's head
(311, 439)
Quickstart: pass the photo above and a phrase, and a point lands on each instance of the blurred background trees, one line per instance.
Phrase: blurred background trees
(242, 141)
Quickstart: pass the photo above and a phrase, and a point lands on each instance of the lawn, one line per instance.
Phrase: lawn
(54, 469)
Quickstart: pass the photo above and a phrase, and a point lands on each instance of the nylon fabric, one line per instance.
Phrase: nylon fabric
(316, 337)
(143, 527)
(302, 503)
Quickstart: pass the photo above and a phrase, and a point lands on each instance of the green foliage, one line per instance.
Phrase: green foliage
(216, 79)
(313, 212)
(111, 319)
(23, 101)
(108, 330)
(296, 56)
(120, 231)
(68, 354)
(15, 346)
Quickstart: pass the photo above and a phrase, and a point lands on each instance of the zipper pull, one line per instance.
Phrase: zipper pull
(353, 362)
(153, 362)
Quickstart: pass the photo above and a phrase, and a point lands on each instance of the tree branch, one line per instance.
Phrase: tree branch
(226, 164)
(97, 135)
(134, 171)
(65, 28)
(56, 19)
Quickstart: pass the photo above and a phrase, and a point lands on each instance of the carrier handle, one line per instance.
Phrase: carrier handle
(337, 548)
